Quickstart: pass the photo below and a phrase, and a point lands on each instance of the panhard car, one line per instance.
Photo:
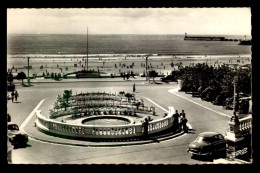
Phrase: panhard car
(15, 136)
(208, 144)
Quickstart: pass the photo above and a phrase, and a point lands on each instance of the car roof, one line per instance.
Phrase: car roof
(11, 123)
(209, 134)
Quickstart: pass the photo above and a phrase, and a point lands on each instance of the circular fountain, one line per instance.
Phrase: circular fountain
(100, 116)
(107, 120)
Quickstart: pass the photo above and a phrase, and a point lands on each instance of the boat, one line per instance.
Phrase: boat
(245, 42)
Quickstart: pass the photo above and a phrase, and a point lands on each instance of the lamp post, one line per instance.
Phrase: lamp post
(28, 67)
(146, 61)
(87, 49)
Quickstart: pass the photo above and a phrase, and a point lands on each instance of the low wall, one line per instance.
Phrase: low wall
(99, 131)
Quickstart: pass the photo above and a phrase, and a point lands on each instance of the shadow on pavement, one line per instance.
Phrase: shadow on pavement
(202, 158)
(209, 158)
(17, 102)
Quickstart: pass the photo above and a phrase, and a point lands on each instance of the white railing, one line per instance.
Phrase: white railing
(245, 124)
(101, 131)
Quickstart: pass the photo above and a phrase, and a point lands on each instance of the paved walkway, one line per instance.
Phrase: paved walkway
(202, 103)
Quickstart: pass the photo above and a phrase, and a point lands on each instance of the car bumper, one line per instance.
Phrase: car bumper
(198, 153)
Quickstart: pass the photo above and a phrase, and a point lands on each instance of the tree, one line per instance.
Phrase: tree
(128, 95)
(138, 104)
(67, 94)
(10, 78)
(21, 76)
(153, 74)
(64, 105)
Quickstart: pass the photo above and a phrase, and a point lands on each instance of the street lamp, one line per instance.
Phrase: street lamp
(146, 60)
(235, 100)
(28, 67)
(87, 51)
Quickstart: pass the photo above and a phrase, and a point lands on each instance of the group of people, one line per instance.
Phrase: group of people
(180, 121)
(14, 95)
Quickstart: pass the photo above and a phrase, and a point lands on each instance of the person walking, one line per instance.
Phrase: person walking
(134, 87)
(16, 95)
(12, 95)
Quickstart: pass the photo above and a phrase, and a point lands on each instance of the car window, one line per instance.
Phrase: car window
(215, 138)
(201, 139)
(220, 137)
(13, 127)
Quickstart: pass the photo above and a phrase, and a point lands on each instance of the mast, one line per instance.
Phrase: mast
(87, 50)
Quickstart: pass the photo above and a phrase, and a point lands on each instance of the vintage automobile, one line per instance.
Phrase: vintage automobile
(15, 136)
(208, 144)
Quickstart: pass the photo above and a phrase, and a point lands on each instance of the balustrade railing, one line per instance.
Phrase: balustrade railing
(245, 124)
(109, 131)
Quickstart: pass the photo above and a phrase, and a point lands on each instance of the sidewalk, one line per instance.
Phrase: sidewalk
(202, 103)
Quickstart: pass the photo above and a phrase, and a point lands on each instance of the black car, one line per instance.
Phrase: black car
(208, 144)
(15, 136)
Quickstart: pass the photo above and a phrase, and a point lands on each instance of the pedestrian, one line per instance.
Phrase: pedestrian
(184, 122)
(16, 95)
(182, 114)
(146, 124)
(176, 123)
(149, 118)
(8, 118)
(12, 96)
(134, 87)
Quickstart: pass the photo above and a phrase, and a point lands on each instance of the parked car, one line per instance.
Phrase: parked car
(244, 105)
(15, 136)
(208, 144)
(220, 99)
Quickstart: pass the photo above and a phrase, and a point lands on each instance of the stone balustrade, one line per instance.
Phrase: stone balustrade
(102, 131)
(245, 124)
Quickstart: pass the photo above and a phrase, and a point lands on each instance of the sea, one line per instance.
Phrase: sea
(66, 45)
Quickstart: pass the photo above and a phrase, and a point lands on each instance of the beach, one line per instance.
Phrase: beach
(115, 54)
(116, 63)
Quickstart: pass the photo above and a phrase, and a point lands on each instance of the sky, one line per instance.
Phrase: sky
(222, 21)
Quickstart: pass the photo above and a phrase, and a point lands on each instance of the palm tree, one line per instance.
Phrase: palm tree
(64, 105)
(128, 95)
(138, 104)
(67, 94)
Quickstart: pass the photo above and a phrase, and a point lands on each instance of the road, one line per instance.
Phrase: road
(172, 151)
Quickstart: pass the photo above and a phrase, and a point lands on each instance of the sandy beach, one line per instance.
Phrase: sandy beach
(116, 63)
